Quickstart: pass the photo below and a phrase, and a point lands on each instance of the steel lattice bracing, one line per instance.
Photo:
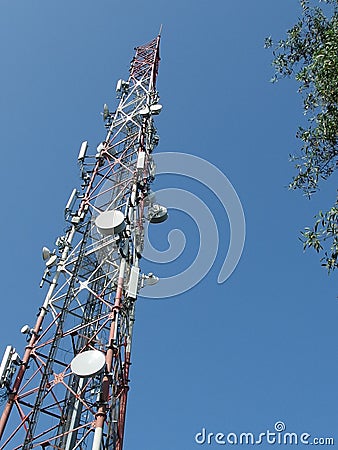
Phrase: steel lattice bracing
(90, 301)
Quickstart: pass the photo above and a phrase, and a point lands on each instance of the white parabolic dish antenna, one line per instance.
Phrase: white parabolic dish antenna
(88, 363)
(110, 222)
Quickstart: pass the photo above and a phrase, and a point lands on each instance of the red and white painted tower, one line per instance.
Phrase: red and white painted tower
(69, 389)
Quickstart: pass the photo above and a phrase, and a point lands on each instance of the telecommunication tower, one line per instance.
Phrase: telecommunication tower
(69, 390)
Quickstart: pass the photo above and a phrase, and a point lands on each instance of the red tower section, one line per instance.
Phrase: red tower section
(69, 390)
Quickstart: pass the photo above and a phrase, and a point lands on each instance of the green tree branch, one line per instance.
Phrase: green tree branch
(310, 54)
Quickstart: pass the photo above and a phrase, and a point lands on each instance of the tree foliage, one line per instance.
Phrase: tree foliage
(310, 54)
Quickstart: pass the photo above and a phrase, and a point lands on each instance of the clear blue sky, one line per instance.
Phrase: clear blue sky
(234, 357)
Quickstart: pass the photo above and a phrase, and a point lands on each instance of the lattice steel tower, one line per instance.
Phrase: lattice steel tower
(69, 390)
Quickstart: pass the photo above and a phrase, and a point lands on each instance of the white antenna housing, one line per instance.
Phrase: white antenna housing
(51, 261)
(71, 199)
(119, 85)
(150, 279)
(45, 253)
(110, 222)
(25, 329)
(133, 284)
(89, 363)
(157, 213)
(83, 151)
(6, 369)
(105, 111)
(156, 109)
(141, 160)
